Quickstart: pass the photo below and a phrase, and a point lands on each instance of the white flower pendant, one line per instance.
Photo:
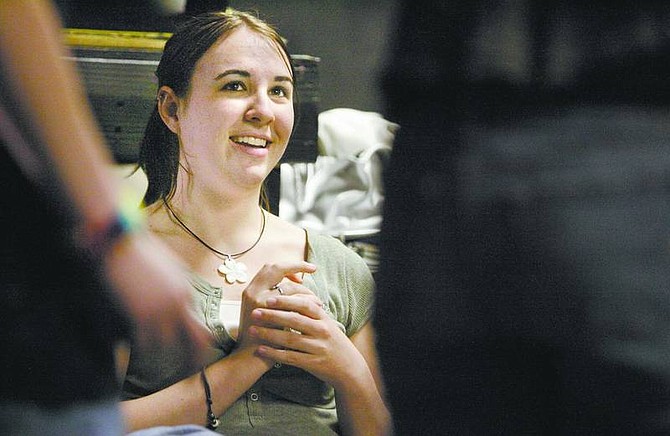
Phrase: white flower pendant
(233, 271)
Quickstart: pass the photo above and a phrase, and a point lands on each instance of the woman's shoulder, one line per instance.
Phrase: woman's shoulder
(329, 250)
(319, 248)
(322, 242)
(284, 234)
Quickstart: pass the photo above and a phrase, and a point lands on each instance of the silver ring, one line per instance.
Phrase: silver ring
(278, 289)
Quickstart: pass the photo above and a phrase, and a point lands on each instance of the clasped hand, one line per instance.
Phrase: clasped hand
(292, 327)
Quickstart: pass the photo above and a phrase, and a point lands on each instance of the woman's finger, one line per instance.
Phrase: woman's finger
(271, 274)
(288, 320)
(286, 339)
(285, 356)
(285, 289)
(307, 304)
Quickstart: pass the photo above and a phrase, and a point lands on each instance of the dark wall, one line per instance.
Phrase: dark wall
(350, 37)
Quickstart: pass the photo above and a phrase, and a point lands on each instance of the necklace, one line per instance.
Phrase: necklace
(232, 270)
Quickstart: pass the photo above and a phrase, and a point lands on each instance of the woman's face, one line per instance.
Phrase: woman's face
(236, 120)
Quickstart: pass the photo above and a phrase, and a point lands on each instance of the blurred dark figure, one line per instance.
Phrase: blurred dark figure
(524, 281)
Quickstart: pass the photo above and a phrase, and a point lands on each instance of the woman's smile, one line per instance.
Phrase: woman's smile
(251, 145)
(250, 141)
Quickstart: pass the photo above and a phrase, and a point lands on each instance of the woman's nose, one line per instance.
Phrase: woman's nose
(260, 109)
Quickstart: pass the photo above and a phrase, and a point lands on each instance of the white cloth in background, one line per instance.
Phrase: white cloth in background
(341, 194)
(344, 132)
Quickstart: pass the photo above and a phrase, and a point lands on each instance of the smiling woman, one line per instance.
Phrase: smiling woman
(236, 118)
(292, 359)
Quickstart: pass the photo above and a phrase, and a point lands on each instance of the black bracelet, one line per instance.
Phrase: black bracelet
(212, 421)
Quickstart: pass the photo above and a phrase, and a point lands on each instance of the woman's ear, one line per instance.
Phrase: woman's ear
(168, 105)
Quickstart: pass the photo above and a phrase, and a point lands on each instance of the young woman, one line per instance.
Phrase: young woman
(295, 351)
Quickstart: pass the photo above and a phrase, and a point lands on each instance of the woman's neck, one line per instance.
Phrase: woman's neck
(228, 223)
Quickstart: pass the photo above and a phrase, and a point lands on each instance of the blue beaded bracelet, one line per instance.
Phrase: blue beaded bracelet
(99, 240)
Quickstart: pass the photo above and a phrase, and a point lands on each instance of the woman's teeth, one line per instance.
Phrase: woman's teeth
(250, 140)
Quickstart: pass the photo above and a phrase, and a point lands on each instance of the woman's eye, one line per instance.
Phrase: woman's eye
(280, 91)
(234, 86)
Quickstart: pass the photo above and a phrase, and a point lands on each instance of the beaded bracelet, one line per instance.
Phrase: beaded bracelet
(212, 420)
(99, 239)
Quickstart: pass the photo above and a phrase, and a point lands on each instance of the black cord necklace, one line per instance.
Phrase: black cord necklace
(231, 269)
